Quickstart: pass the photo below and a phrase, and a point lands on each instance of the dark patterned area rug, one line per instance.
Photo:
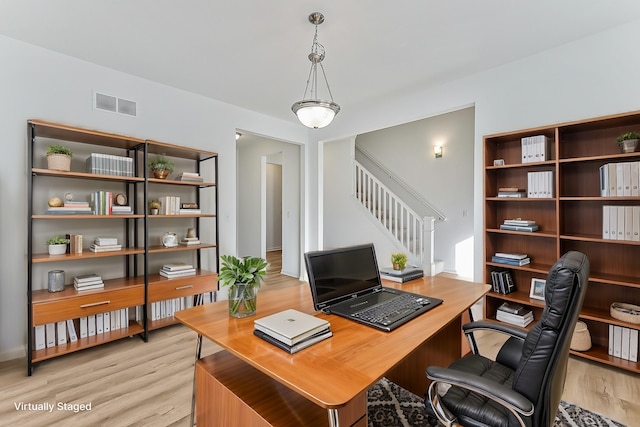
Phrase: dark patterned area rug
(389, 405)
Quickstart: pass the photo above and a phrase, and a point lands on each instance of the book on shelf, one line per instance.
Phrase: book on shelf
(121, 210)
(190, 242)
(73, 210)
(513, 308)
(511, 255)
(72, 204)
(74, 245)
(291, 326)
(87, 278)
(177, 266)
(109, 164)
(514, 314)
(174, 274)
(401, 276)
(189, 205)
(519, 221)
(513, 319)
(528, 228)
(88, 287)
(321, 336)
(535, 148)
(104, 240)
(502, 282)
(104, 248)
(189, 178)
(511, 261)
(515, 194)
(189, 211)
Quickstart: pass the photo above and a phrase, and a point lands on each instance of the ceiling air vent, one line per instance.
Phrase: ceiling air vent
(114, 104)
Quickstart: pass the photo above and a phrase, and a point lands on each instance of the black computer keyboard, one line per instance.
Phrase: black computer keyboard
(392, 310)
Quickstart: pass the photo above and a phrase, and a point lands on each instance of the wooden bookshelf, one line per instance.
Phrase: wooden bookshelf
(571, 220)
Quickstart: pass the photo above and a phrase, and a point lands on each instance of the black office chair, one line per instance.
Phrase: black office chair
(524, 385)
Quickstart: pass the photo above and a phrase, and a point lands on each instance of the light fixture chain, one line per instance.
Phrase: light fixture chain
(325, 81)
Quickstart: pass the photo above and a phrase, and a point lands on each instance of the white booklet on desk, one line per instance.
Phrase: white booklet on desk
(290, 326)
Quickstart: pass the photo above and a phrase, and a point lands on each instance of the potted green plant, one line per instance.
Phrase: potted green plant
(161, 166)
(628, 142)
(59, 157)
(243, 277)
(399, 261)
(57, 245)
(154, 207)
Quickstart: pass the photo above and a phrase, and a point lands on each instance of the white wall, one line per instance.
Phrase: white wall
(250, 156)
(590, 77)
(40, 84)
(446, 182)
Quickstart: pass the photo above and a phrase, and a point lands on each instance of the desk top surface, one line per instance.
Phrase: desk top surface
(332, 372)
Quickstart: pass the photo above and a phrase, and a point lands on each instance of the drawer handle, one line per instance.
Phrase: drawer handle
(93, 304)
(184, 287)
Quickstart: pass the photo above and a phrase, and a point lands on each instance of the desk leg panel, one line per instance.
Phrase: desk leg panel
(231, 392)
(441, 350)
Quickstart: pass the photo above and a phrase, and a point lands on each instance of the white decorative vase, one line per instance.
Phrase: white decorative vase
(59, 249)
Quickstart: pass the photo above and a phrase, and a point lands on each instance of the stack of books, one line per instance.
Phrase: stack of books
(189, 208)
(511, 258)
(514, 192)
(105, 244)
(502, 282)
(519, 224)
(121, 210)
(75, 243)
(190, 241)
(514, 314)
(401, 276)
(87, 282)
(292, 330)
(177, 269)
(70, 210)
(189, 176)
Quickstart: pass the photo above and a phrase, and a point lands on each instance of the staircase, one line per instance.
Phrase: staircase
(412, 232)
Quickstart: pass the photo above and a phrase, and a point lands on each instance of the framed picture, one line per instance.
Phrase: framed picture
(537, 288)
(498, 162)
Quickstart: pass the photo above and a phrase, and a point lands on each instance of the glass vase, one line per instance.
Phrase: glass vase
(242, 300)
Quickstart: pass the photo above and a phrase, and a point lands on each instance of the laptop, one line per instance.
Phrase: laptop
(346, 282)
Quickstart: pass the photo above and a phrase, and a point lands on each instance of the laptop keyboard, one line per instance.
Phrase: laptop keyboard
(392, 310)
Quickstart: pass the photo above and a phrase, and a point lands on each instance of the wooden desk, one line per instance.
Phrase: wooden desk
(332, 375)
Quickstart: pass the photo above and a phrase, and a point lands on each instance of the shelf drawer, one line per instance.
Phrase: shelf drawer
(84, 305)
(180, 287)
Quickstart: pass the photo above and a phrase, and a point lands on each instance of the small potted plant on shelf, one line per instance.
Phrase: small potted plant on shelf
(57, 245)
(399, 261)
(59, 157)
(243, 276)
(154, 207)
(628, 142)
(161, 166)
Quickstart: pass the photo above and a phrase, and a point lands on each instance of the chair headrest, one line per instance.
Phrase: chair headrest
(572, 269)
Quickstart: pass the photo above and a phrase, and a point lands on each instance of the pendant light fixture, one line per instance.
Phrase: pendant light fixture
(314, 112)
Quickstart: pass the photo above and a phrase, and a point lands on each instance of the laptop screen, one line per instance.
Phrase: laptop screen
(338, 273)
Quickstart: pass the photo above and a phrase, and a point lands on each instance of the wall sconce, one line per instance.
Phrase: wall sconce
(437, 151)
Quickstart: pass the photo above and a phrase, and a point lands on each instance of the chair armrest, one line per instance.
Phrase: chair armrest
(483, 325)
(499, 393)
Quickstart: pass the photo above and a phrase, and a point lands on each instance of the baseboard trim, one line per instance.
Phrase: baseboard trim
(15, 353)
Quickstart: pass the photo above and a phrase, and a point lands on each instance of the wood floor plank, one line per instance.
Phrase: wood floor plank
(132, 383)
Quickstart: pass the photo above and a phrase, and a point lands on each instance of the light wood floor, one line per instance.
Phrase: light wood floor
(131, 383)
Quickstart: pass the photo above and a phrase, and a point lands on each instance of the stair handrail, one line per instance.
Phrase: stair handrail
(417, 228)
(439, 216)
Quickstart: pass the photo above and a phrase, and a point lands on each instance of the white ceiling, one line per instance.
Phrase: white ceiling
(253, 54)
